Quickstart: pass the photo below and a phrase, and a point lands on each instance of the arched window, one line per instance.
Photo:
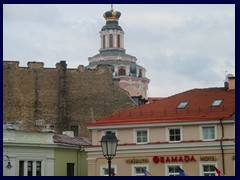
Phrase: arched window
(121, 72)
(118, 40)
(140, 73)
(110, 40)
(103, 41)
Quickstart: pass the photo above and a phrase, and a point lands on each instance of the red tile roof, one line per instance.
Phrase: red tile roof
(154, 99)
(198, 109)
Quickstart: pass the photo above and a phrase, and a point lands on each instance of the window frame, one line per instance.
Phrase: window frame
(182, 104)
(110, 40)
(216, 103)
(122, 71)
(119, 41)
(167, 169)
(104, 41)
(29, 167)
(168, 133)
(70, 169)
(135, 135)
(140, 166)
(102, 167)
(39, 165)
(21, 168)
(207, 126)
(75, 132)
(210, 163)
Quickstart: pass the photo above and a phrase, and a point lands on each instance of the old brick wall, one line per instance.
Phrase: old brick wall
(61, 97)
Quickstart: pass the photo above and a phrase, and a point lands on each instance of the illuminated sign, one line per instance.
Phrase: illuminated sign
(170, 159)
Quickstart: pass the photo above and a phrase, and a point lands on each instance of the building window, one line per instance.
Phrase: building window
(30, 168)
(52, 127)
(70, 169)
(118, 40)
(34, 168)
(141, 136)
(172, 170)
(174, 134)
(140, 73)
(74, 129)
(208, 170)
(139, 170)
(217, 102)
(121, 72)
(208, 133)
(21, 168)
(104, 171)
(38, 168)
(104, 41)
(182, 105)
(110, 40)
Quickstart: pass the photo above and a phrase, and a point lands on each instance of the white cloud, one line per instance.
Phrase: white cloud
(40, 13)
(181, 46)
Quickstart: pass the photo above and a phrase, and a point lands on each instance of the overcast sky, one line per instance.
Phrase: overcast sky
(181, 46)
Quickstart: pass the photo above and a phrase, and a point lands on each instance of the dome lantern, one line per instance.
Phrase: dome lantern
(112, 16)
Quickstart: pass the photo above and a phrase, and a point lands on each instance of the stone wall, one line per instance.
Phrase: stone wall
(59, 96)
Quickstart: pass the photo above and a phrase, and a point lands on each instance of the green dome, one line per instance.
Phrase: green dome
(111, 26)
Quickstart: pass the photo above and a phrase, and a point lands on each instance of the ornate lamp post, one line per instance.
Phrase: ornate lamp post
(109, 146)
(9, 166)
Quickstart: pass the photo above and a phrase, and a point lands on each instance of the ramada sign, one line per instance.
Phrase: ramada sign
(170, 159)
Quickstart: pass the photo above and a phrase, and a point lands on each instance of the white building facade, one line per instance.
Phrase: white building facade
(30, 153)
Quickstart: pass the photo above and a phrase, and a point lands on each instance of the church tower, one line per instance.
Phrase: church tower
(132, 76)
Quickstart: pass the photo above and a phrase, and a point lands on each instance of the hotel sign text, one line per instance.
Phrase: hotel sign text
(136, 161)
(208, 158)
(170, 159)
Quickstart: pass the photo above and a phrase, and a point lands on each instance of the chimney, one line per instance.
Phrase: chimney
(229, 83)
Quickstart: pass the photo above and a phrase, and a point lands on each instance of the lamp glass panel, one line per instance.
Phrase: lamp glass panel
(112, 148)
(104, 147)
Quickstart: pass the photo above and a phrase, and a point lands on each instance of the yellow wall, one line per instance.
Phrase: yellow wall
(64, 156)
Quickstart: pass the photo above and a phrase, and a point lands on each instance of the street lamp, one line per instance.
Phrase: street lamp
(9, 166)
(109, 146)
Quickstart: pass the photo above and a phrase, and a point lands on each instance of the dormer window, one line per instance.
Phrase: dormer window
(217, 102)
(182, 105)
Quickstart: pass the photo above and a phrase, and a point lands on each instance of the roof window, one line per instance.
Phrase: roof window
(182, 105)
(217, 102)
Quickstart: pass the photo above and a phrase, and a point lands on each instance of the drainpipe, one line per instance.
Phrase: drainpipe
(221, 145)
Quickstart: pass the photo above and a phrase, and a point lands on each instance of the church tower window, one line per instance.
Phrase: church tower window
(140, 73)
(104, 41)
(110, 40)
(118, 40)
(121, 72)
